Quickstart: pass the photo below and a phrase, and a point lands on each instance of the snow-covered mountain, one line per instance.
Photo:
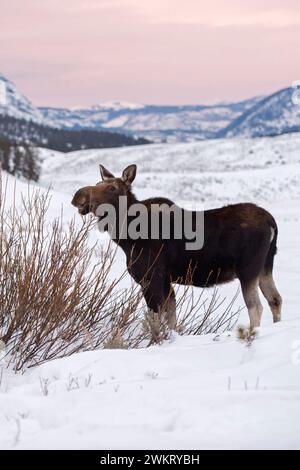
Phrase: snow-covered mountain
(16, 105)
(116, 105)
(259, 116)
(21, 121)
(156, 123)
(276, 114)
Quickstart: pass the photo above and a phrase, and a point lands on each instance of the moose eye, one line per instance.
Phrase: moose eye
(112, 188)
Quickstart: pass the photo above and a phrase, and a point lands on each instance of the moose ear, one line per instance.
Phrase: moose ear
(105, 174)
(129, 173)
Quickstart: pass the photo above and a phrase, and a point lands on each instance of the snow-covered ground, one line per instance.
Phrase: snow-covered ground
(191, 392)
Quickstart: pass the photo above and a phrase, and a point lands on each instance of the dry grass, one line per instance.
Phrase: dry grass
(55, 301)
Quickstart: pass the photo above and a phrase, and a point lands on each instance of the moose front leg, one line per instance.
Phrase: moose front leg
(169, 309)
(160, 299)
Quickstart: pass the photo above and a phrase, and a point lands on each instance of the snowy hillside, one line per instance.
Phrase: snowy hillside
(192, 393)
(274, 115)
(195, 392)
(14, 104)
(218, 171)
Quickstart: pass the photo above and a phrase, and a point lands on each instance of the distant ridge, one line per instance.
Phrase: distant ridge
(185, 123)
(259, 116)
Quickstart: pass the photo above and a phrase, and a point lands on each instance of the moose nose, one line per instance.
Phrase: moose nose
(78, 199)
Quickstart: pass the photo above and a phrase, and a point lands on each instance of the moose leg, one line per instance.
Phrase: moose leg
(169, 309)
(160, 299)
(252, 301)
(270, 292)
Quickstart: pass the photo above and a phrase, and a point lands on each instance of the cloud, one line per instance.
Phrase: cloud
(77, 52)
(217, 13)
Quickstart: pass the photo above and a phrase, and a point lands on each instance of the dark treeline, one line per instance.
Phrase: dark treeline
(62, 140)
(19, 159)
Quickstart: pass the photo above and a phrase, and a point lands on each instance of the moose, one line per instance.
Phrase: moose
(239, 242)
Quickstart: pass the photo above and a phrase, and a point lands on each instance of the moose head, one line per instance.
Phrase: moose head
(107, 191)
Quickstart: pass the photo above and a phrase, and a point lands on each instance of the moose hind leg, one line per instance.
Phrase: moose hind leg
(252, 301)
(270, 292)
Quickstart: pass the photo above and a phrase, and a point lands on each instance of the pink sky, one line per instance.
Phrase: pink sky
(76, 52)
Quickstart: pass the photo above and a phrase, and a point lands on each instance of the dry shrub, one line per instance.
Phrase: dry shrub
(52, 302)
(202, 315)
(198, 314)
(57, 300)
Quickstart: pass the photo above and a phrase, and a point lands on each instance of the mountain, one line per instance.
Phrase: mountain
(257, 117)
(22, 122)
(157, 123)
(274, 115)
(260, 116)
(16, 105)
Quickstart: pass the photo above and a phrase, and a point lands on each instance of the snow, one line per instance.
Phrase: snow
(118, 105)
(117, 122)
(192, 392)
(3, 93)
(212, 172)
